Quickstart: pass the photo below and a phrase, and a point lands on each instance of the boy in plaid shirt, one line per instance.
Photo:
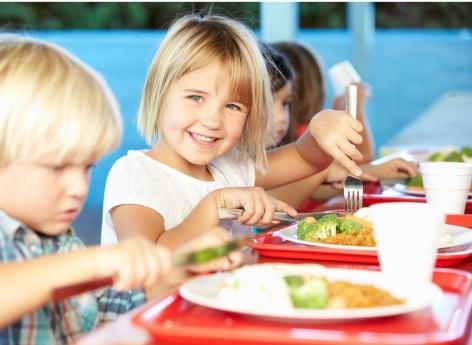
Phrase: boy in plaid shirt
(57, 118)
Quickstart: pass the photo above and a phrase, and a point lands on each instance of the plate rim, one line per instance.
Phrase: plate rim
(280, 234)
(317, 314)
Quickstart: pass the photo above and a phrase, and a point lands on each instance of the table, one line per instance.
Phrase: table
(122, 331)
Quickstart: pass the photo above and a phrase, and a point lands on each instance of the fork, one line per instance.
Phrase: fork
(353, 188)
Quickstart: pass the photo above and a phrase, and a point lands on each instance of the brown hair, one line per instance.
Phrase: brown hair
(309, 91)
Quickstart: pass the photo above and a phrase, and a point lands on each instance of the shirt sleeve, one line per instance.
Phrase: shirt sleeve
(112, 303)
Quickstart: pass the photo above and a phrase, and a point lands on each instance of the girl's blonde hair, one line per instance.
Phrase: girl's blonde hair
(193, 42)
(52, 103)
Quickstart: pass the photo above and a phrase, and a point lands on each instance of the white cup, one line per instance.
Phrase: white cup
(342, 74)
(447, 184)
(407, 234)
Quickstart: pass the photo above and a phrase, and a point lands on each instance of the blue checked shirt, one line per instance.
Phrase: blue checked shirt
(65, 321)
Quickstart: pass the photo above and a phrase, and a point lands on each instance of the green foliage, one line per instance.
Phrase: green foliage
(139, 15)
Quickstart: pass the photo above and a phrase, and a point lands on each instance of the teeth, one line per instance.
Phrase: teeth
(203, 138)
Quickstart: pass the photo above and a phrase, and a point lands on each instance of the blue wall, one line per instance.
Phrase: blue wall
(409, 70)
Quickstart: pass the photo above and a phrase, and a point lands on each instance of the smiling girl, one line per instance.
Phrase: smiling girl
(206, 110)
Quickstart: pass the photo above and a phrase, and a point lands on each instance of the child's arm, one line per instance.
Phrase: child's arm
(258, 205)
(330, 134)
(296, 193)
(28, 285)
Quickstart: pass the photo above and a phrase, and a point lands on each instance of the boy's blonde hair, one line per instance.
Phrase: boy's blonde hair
(193, 42)
(52, 103)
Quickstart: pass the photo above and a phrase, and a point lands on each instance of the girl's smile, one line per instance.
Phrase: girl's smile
(202, 120)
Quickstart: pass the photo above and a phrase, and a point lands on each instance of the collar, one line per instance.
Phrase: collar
(9, 225)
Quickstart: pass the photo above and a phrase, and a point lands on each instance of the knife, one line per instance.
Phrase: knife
(235, 213)
(196, 257)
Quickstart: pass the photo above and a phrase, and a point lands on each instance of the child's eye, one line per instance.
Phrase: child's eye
(195, 98)
(233, 107)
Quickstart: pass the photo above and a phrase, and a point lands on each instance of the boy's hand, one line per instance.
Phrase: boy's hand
(338, 133)
(134, 263)
(259, 206)
(213, 238)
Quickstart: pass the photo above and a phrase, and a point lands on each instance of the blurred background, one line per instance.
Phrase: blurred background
(409, 53)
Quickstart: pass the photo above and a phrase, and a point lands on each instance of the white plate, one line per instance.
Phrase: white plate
(401, 187)
(460, 236)
(203, 290)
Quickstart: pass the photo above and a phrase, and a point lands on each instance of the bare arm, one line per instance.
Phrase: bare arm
(336, 134)
(134, 263)
(297, 192)
(258, 205)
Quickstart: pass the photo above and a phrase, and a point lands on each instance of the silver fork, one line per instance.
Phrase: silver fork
(353, 188)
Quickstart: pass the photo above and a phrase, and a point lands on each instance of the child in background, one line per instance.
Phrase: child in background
(283, 79)
(309, 95)
(57, 118)
(206, 108)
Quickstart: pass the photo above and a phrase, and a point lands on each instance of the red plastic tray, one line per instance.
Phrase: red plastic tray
(374, 193)
(172, 320)
(269, 244)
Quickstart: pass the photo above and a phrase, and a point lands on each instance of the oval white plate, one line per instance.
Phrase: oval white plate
(203, 290)
(460, 237)
(400, 186)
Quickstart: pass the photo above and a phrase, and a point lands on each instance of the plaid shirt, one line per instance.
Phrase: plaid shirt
(65, 321)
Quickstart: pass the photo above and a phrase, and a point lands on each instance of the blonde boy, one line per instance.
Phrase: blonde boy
(57, 118)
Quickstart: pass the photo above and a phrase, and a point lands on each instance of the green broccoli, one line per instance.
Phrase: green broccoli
(349, 226)
(307, 292)
(416, 181)
(454, 156)
(466, 151)
(436, 157)
(305, 226)
(323, 228)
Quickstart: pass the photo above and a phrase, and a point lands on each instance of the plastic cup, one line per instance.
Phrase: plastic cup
(407, 234)
(342, 74)
(447, 184)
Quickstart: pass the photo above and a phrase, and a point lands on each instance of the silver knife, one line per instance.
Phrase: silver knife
(235, 213)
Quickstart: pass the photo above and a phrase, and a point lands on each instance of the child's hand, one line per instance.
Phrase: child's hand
(338, 133)
(259, 206)
(336, 175)
(212, 238)
(395, 168)
(363, 94)
(134, 263)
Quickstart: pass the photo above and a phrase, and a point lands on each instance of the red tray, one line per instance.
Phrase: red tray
(374, 194)
(269, 244)
(173, 320)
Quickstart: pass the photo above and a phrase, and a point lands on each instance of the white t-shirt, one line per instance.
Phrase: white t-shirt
(140, 180)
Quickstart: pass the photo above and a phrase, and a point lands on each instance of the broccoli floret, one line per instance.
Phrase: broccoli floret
(416, 181)
(311, 294)
(349, 226)
(305, 226)
(436, 157)
(454, 156)
(466, 151)
(323, 228)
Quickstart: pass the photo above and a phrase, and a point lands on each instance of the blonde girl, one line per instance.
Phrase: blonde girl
(57, 118)
(206, 109)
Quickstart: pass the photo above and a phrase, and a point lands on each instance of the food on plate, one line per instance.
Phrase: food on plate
(279, 287)
(449, 154)
(345, 230)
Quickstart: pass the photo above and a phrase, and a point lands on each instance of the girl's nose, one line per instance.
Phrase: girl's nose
(211, 118)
